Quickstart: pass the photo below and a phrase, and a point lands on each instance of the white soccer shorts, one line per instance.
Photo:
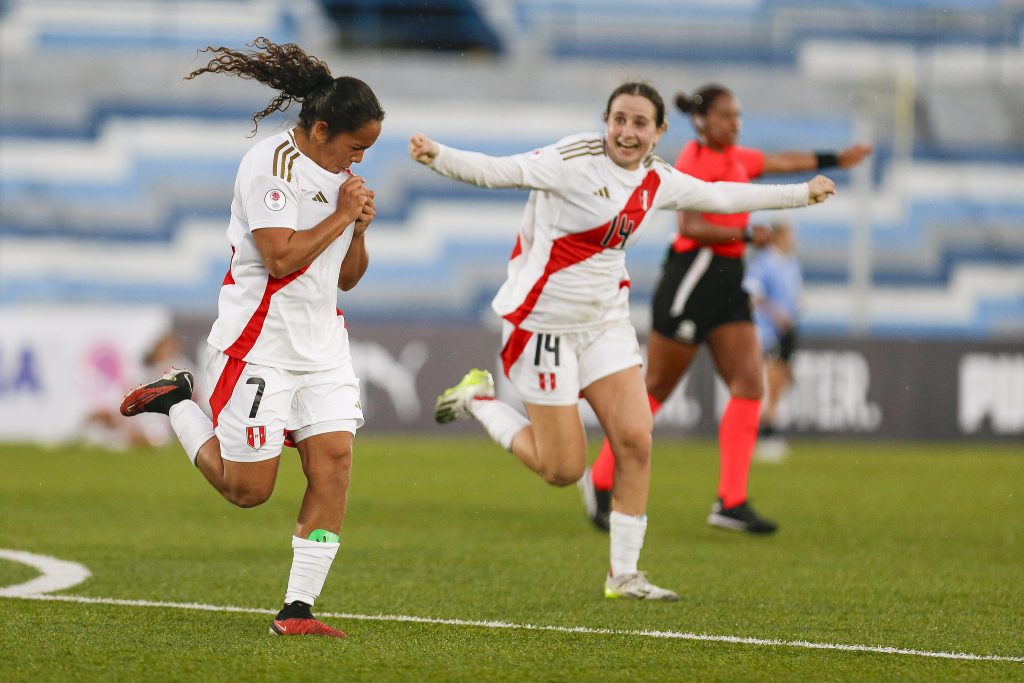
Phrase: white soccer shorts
(551, 368)
(255, 405)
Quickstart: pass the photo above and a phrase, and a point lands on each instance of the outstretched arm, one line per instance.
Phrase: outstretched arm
(798, 162)
(688, 193)
(474, 168)
(693, 225)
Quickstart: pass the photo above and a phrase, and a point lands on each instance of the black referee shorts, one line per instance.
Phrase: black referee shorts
(697, 292)
(786, 347)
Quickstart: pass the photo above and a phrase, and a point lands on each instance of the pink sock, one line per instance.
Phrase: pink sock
(737, 434)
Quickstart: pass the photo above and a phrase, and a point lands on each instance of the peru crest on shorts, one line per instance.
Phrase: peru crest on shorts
(256, 437)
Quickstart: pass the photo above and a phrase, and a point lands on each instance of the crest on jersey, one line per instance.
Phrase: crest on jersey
(256, 437)
(274, 200)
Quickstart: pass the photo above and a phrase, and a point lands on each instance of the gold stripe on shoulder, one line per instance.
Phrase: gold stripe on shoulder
(583, 153)
(581, 144)
(293, 155)
(277, 155)
(584, 141)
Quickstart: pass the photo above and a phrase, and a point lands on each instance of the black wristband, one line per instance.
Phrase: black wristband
(748, 234)
(826, 159)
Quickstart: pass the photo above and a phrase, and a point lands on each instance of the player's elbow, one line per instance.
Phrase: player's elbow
(277, 267)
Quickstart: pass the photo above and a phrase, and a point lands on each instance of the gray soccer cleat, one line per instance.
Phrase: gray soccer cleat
(635, 587)
(453, 404)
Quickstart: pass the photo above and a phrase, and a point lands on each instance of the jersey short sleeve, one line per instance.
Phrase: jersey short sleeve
(543, 168)
(271, 202)
(752, 159)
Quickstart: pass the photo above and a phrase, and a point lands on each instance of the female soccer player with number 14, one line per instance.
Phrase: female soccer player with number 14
(565, 302)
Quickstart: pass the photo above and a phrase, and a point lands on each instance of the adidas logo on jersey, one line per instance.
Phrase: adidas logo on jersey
(319, 197)
(603, 192)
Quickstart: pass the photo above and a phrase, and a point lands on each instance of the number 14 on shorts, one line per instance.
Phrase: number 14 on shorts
(546, 343)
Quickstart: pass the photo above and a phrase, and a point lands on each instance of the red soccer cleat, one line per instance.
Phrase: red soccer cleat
(303, 627)
(160, 395)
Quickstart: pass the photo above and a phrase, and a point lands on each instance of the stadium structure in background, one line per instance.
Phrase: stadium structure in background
(115, 175)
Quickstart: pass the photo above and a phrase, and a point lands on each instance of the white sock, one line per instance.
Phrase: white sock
(501, 420)
(311, 560)
(627, 538)
(192, 427)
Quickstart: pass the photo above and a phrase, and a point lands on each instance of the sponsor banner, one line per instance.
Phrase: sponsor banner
(878, 388)
(59, 365)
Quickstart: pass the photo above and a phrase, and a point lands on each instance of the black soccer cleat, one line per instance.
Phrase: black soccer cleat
(159, 396)
(740, 518)
(604, 509)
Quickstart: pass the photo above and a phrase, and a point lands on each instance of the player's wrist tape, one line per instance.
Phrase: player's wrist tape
(323, 536)
(826, 159)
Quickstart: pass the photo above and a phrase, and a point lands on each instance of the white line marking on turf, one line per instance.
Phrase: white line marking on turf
(61, 574)
(56, 574)
(538, 627)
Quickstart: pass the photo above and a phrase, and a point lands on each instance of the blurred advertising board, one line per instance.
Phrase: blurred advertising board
(59, 364)
(872, 388)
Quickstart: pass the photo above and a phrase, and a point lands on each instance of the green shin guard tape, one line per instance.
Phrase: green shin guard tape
(323, 536)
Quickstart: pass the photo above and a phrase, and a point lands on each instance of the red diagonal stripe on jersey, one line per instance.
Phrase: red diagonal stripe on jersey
(251, 333)
(517, 341)
(229, 279)
(516, 250)
(572, 249)
(225, 386)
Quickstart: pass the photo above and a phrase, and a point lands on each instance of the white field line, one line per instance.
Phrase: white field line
(57, 574)
(672, 635)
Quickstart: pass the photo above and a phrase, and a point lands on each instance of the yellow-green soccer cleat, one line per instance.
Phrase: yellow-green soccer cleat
(635, 587)
(453, 404)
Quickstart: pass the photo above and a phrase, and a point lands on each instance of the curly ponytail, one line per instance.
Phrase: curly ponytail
(345, 104)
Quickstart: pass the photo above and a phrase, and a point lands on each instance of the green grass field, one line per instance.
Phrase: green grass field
(904, 546)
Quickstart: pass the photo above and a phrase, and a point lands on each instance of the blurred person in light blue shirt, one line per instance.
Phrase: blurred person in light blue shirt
(775, 281)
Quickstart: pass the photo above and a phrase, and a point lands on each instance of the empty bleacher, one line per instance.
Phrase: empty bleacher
(115, 175)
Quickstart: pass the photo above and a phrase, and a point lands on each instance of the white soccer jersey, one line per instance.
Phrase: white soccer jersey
(290, 322)
(568, 270)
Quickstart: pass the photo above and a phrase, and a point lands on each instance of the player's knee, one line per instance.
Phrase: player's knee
(563, 475)
(337, 466)
(634, 443)
(248, 496)
(747, 387)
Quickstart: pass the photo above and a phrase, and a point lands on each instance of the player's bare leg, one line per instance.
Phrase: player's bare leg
(779, 376)
(327, 464)
(554, 445)
(667, 362)
(245, 484)
(620, 402)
